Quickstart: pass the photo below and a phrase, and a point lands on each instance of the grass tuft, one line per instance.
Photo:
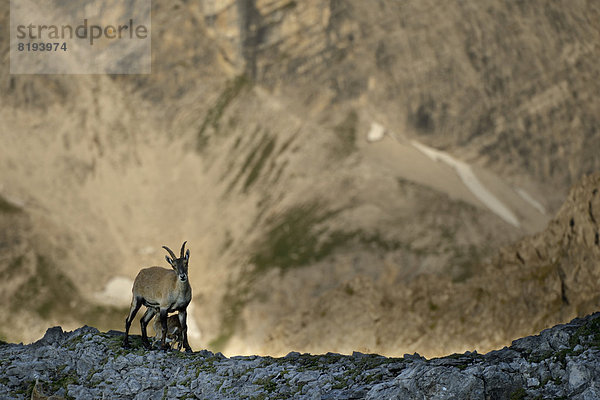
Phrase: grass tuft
(213, 116)
(345, 132)
(6, 207)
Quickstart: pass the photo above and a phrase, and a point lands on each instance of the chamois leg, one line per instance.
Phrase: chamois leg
(136, 303)
(148, 315)
(183, 322)
(164, 325)
(179, 336)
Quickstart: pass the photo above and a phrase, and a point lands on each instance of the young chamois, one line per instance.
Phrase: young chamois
(162, 291)
(174, 334)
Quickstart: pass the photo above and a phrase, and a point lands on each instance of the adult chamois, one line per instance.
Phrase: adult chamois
(162, 291)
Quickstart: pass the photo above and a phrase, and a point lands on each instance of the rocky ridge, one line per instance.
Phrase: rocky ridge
(560, 362)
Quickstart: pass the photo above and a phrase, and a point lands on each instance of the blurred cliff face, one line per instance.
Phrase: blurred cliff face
(321, 158)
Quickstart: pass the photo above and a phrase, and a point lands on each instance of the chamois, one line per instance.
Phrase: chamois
(162, 291)
(174, 336)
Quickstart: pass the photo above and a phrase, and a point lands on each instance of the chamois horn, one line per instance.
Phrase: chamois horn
(170, 252)
(182, 249)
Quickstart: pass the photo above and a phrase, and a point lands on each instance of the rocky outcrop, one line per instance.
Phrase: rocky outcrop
(540, 281)
(563, 361)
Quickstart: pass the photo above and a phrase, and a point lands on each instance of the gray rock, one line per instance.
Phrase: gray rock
(533, 382)
(86, 364)
(53, 335)
(591, 393)
(579, 375)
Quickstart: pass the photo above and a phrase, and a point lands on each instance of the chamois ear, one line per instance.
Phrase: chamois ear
(170, 261)
(187, 255)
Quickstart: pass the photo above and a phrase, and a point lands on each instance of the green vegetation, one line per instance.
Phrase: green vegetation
(373, 378)
(7, 207)
(518, 394)
(561, 355)
(213, 116)
(233, 304)
(255, 160)
(345, 132)
(115, 345)
(465, 261)
(349, 290)
(268, 383)
(341, 382)
(15, 265)
(89, 379)
(206, 365)
(290, 5)
(265, 152)
(52, 294)
(590, 332)
(26, 388)
(540, 357)
(227, 330)
(64, 381)
(101, 316)
(48, 291)
(587, 335)
(227, 242)
(463, 361)
(294, 239)
(433, 307)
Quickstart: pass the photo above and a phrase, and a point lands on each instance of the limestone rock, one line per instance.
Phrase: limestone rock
(561, 361)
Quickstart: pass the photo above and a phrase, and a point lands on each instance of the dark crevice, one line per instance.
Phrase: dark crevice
(520, 258)
(563, 287)
(537, 251)
(572, 224)
(484, 385)
(591, 213)
(563, 293)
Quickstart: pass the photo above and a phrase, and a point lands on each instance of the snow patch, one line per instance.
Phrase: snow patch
(376, 133)
(528, 198)
(466, 174)
(117, 292)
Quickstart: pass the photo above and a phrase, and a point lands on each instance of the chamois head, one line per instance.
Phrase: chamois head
(180, 265)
